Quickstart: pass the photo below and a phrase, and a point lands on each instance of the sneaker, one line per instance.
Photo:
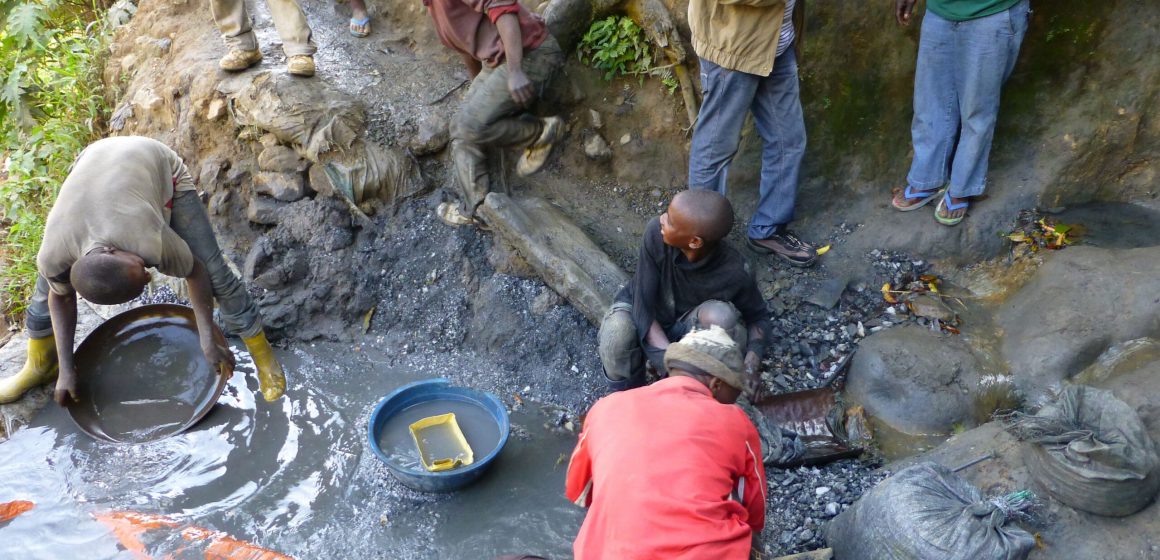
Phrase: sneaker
(536, 155)
(449, 213)
(237, 60)
(300, 65)
(787, 246)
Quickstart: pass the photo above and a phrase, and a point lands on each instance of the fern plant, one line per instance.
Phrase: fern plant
(616, 45)
(50, 108)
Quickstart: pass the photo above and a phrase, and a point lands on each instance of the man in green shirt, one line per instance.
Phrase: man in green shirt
(966, 51)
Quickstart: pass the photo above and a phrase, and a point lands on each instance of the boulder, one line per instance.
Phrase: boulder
(279, 158)
(286, 187)
(264, 210)
(915, 384)
(1068, 533)
(1082, 301)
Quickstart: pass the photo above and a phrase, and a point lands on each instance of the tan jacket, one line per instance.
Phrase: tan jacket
(742, 35)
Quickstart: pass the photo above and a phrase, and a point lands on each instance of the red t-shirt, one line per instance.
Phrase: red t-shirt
(468, 26)
(667, 472)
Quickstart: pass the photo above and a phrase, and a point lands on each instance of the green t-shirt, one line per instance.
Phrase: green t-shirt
(963, 10)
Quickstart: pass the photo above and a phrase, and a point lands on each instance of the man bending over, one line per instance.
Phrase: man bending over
(672, 470)
(129, 203)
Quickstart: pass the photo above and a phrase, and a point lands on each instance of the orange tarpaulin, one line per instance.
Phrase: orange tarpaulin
(129, 527)
(10, 510)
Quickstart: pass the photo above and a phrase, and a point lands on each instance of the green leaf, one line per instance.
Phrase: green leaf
(24, 23)
(13, 89)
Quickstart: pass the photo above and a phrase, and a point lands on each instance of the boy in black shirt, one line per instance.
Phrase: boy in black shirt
(687, 278)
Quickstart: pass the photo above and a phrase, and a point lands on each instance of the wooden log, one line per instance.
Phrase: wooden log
(559, 251)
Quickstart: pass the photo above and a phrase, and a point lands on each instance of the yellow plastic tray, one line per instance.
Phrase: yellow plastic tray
(441, 443)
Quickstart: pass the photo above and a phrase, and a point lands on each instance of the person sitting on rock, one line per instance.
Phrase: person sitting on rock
(687, 277)
(234, 23)
(129, 203)
(511, 57)
(672, 470)
(966, 51)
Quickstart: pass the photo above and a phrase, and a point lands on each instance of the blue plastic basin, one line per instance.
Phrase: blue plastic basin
(436, 390)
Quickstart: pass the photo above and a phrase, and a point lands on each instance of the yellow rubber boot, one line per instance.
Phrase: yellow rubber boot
(39, 368)
(270, 376)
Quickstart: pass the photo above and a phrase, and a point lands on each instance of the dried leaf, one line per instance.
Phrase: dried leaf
(886, 295)
(823, 250)
(950, 329)
(519, 400)
(366, 323)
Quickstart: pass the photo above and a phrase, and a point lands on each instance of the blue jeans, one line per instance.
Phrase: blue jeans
(961, 69)
(777, 110)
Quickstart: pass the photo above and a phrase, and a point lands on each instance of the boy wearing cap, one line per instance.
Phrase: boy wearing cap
(672, 470)
(687, 277)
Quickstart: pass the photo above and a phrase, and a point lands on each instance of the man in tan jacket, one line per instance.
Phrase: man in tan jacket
(748, 63)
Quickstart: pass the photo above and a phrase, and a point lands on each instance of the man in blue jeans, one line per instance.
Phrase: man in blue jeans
(966, 51)
(747, 50)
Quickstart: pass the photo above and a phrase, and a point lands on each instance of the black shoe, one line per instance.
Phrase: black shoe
(787, 246)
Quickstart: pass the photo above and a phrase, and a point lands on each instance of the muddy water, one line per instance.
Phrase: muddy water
(477, 425)
(294, 476)
(154, 381)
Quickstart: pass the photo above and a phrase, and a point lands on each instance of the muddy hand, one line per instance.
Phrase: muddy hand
(521, 88)
(66, 387)
(752, 377)
(219, 357)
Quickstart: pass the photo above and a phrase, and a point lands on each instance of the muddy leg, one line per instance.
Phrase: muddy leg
(238, 311)
(620, 351)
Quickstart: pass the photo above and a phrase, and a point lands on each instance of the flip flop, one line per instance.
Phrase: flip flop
(364, 23)
(920, 198)
(945, 205)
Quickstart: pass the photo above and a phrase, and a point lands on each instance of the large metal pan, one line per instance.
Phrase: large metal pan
(141, 376)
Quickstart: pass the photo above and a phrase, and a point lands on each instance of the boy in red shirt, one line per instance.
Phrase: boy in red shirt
(511, 57)
(672, 470)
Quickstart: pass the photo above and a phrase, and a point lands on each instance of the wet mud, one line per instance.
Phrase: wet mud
(142, 377)
(294, 476)
(1114, 225)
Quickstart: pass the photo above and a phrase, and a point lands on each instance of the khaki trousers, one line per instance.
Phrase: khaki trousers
(234, 23)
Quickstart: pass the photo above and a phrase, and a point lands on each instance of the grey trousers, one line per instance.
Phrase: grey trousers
(238, 311)
(623, 355)
(234, 23)
(490, 118)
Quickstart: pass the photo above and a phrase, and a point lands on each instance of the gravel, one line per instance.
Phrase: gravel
(801, 501)
(810, 342)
